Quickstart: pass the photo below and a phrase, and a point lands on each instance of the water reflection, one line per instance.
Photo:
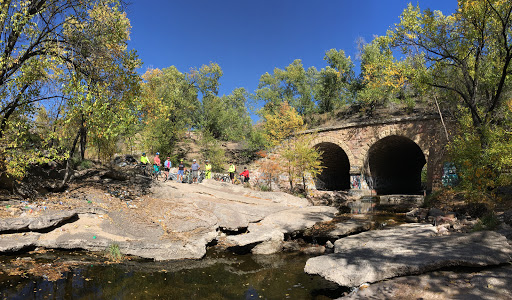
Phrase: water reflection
(218, 276)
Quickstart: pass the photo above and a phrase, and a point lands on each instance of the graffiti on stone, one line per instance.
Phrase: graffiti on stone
(358, 182)
(449, 177)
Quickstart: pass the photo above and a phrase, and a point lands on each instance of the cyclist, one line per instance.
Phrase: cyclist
(245, 174)
(144, 159)
(156, 164)
(156, 159)
(181, 170)
(195, 170)
(231, 171)
(208, 169)
(167, 166)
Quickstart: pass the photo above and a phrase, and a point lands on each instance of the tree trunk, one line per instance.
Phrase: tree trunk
(83, 139)
(67, 175)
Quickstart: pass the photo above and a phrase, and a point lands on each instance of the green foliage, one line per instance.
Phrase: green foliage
(113, 253)
(212, 150)
(290, 85)
(280, 124)
(264, 188)
(227, 117)
(256, 140)
(487, 222)
(300, 159)
(465, 56)
(81, 163)
(169, 103)
(383, 78)
(332, 88)
(78, 56)
(481, 167)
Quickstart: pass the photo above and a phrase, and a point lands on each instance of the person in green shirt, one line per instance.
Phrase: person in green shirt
(208, 170)
(144, 159)
(231, 171)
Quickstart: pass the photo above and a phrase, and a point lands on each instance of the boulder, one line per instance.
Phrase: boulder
(273, 245)
(286, 221)
(349, 227)
(47, 219)
(404, 250)
(17, 241)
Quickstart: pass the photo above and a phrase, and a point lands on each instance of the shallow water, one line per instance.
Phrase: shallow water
(217, 276)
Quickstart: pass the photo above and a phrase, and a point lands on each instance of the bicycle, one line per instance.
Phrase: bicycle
(201, 177)
(144, 169)
(221, 177)
(157, 174)
(187, 177)
(172, 176)
(237, 180)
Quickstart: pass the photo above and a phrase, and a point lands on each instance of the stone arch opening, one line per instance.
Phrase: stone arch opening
(336, 172)
(394, 166)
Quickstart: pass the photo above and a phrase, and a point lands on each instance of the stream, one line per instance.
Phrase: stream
(220, 275)
(54, 274)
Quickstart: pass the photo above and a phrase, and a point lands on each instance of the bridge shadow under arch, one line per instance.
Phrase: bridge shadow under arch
(335, 175)
(394, 164)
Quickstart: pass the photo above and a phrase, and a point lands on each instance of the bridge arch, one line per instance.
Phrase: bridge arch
(336, 162)
(394, 164)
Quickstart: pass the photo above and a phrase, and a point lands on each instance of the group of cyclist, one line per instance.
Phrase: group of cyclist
(194, 168)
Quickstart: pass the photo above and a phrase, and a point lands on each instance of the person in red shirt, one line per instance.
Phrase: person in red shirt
(245, 174)
(156, 159)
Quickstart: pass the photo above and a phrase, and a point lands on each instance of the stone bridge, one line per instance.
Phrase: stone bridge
(394, 156)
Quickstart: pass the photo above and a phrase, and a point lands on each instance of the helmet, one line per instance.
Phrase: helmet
(193, 160)
(158, 153)
(207, 161)
(143, 153)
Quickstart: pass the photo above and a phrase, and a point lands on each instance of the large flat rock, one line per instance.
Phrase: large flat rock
(405, 250)
(285, 221)
(349, 227)
(176, 221)
(18, 241)
(46, 219)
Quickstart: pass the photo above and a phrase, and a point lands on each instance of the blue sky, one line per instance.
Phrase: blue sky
(250, 38)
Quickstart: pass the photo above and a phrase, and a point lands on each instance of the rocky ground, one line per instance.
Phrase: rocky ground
(172, 221)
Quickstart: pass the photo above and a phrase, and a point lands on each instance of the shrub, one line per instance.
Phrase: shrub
(114, 253)
(487, 222)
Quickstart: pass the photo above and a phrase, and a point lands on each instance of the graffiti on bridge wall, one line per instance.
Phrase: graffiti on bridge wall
(450, 177)
(358, 182)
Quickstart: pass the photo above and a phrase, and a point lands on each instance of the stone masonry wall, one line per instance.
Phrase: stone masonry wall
(355, 139)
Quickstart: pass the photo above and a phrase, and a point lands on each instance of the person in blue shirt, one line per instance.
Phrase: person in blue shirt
(195, 170)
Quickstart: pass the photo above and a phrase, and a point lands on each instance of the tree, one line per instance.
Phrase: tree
(467, 55)
(169, 104)
(383, 78)
(102, 89)
(270, 168)
(301, 159)
(465, 60)
(281, 124)
(227, 117)
(290, 85)
(332, 88)
(211, 150)
(52, 47)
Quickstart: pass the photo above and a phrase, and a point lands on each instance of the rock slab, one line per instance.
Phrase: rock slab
(47, 219)
(406, 250)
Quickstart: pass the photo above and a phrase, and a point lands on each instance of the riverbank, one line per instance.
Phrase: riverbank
(174, 221)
